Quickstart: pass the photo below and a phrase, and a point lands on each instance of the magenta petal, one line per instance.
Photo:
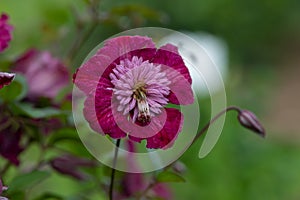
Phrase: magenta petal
(102, 63)
(98, 112)
(177, 72)
(6, 78)
(165, 138)
(168, 55)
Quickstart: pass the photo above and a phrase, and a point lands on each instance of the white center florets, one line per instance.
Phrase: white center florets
(141, 87)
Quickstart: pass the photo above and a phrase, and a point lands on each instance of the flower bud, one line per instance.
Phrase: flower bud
(70, 165)
(179, 167)
(250, 121)
(6, 78)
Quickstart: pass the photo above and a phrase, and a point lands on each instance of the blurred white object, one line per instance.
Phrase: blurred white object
(214, 57)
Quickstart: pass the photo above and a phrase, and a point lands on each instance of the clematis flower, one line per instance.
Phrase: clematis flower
(6, 78)
(46, 75)
(128, 83)
(5, 32)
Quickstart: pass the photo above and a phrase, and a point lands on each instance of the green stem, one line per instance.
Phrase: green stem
(5, 168)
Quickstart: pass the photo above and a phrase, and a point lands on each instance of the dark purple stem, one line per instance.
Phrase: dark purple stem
(214, 119)
(113, 171)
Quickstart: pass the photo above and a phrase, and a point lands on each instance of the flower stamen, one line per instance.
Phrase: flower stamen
(143, 106)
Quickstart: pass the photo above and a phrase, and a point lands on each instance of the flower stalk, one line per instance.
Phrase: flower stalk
(113, 170)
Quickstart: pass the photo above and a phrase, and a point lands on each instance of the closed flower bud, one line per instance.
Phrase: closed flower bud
(70, 165)
(179, 167)
(6, 78)
(250, 121)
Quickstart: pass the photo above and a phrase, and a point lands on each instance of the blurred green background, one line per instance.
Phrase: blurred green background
(264, 68)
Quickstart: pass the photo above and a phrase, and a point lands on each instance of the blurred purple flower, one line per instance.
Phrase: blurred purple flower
(135, 183)
(250, 121)
(46, 75)
(162, 191)
(5, 32)
(70, 165)
(6, 78)
(10, 140)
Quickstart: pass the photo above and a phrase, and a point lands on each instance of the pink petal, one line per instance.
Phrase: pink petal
(88, 75)
(6, 78)
(166, 137)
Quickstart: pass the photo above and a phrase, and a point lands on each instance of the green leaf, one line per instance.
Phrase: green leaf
(49, 196)
(167, 176)
(63, 134)
(26, 181)
(15, 195)
(16, 90)
(30, 111)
